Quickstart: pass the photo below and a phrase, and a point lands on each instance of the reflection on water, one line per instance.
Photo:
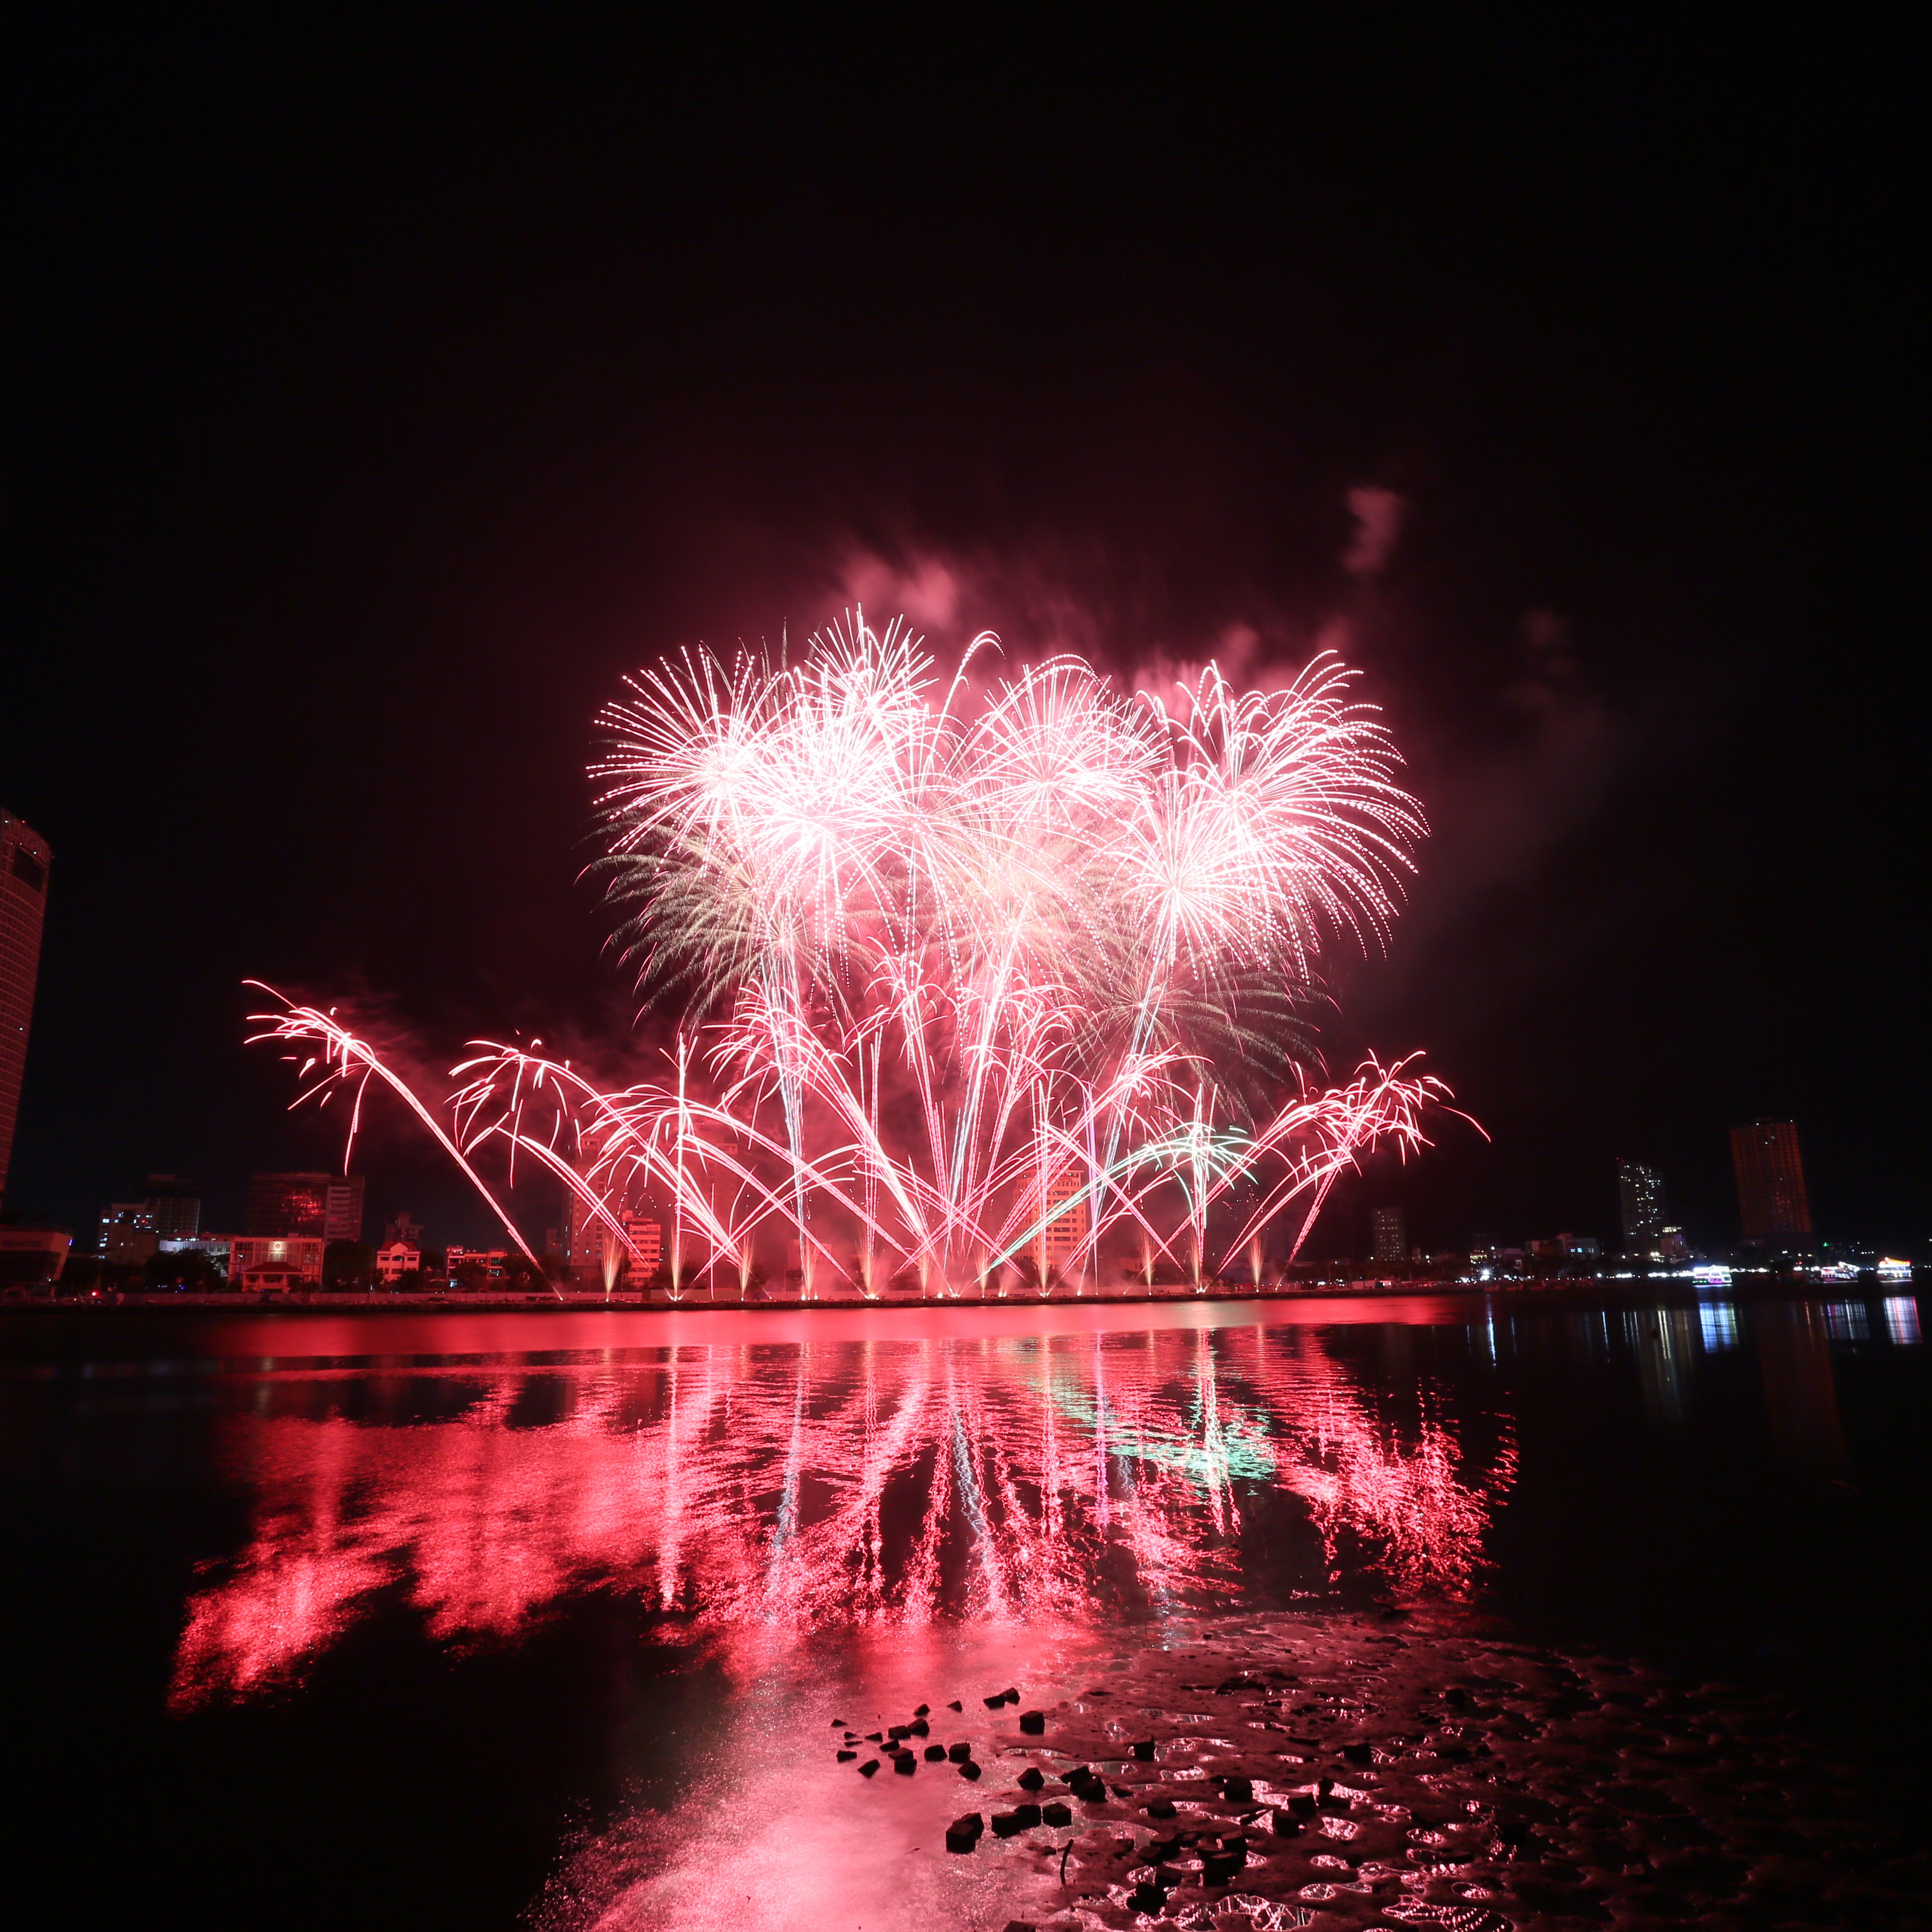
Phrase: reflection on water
(1846, 1321)
(1664, 1341)
(622, 1569)
(1717, 1325)
(988, 1477)
(1794, 1357)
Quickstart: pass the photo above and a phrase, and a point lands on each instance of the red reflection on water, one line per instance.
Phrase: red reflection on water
(753, 1478)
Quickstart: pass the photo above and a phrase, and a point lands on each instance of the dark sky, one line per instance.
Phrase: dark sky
(384, 394)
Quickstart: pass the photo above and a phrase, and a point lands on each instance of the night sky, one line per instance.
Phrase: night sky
(384, 394)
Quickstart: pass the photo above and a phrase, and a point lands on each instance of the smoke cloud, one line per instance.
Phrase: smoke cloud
(1513, 747)
(1377, 514)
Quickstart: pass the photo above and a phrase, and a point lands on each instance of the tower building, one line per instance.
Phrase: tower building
(342, 1214)
(173, 1206)
(1060, 1243)
(24, 861)
(1388, 1237)
(1640, 1190)
(327, 1206)
(128, 1234)
(1771, 1203)
(646, 1237)
(288, 1204)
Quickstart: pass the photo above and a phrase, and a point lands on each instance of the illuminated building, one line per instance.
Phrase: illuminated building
(24, 859)
(216, 1247)
(342, 1218)
(328, 1206)
(288, 1204)
(1772, 1202)
(1640, 1190)
(488, 1261)
(646, 1238)
(581, 1239)
(1061, 1240)
(127, 1232)
(396, 1259)
(274, 1262)
(1388, 1239)
(591, 1251)
(132, 1231)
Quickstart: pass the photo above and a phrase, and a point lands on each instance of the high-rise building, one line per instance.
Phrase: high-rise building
(1060, 1243)
(24, 860)
(127, 1232)
(403, 1228)
(1772, 1202)
(582, 1249)
(289, 1203)
(646, 1238)
(175, 1211)
(592, 1251)
(1388, 1237)
(1640, 1189)
(342, 1219)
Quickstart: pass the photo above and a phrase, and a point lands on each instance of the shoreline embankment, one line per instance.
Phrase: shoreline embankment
(1593, 1290)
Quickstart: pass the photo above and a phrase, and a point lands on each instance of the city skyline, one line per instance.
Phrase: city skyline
(313, 1207)
(1711, 1224)
(1764, 1208)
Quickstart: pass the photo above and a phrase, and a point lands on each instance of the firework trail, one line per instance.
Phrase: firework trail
(973, 973)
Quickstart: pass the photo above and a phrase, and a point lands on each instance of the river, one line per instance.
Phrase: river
(476, 1620)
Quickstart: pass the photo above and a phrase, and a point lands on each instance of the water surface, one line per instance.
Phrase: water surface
(393, 1616)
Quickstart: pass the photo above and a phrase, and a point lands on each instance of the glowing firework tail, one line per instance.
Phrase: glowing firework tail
(973, 976)
(344, 1058)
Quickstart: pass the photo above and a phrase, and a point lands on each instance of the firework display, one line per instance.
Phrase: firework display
(975, 978)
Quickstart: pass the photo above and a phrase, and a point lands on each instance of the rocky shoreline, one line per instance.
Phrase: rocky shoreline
(1359, 1772)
